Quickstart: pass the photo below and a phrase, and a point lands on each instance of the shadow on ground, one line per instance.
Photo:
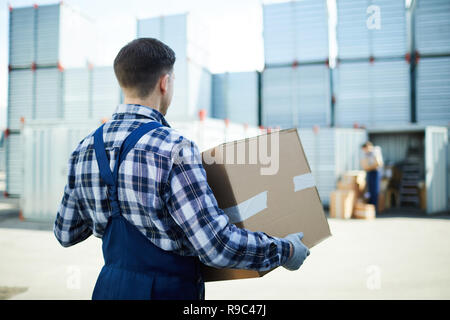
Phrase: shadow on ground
(8, 292)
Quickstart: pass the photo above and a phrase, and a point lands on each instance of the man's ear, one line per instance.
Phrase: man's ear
(164, 83)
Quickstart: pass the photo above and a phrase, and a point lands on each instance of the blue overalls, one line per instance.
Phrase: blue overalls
(134, 267)
(373, 185)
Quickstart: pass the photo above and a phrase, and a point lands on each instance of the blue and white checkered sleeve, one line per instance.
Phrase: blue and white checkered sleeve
(69, 227)
(217, 242)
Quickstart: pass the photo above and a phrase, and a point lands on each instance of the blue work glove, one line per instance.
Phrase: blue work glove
(300, 251)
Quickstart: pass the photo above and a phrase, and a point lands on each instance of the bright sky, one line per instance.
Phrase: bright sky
(235, 25)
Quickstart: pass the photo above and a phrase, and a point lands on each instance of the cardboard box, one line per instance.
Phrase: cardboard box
(276, 195)
(342, 203)
(384, 183)
(353, 180)
(392, 198)
(364, 211)
(382, 201)
(422, 195)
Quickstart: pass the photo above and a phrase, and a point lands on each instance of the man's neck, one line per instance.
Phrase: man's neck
(149, 102)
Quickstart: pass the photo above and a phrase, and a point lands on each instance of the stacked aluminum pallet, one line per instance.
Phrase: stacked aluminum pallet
(372, 94)
(432, 27)
(371, 84)
(235, 97)
(47, 81)
(184, 34)
(296, 79)
(432, 70)
(371, 28)
(296, 96)
(433, 91)
(47, 36)
(295, 31)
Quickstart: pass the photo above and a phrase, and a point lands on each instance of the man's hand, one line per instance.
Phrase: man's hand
(299, 251)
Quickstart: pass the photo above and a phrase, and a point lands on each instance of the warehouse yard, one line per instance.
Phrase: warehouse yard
(343, 73)
(400, 255)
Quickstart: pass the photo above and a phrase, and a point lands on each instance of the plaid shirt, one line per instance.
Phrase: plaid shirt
(169, 201)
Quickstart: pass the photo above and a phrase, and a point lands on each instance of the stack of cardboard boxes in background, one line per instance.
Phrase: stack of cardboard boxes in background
(348, 200)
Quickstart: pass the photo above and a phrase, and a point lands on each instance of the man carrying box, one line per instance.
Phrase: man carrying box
(155, 212)
(372, 162)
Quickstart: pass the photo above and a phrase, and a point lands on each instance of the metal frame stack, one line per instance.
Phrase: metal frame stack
(431, 26)
(296, 79)
(185, 34)
(47, 81)
(371, 84)
(235, 97)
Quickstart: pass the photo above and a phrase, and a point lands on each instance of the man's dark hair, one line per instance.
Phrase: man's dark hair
(367, 144)
(141, 63)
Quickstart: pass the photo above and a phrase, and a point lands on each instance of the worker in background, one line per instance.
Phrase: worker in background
(372, 163)
(140, 186)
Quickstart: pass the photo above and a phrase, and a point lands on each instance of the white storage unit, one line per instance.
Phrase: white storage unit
(448, 166)
(2, 154)
(60, 32)
(372, 94)
(14, 165)
(47, 148)
(296, 97)
(76, 94)
(429, 145)
(235, 97)
(433, 91)
(295, 31)
(48, 94)
(436, 146)
(20, 97)
(106, 93)
(375, 28)
(432, 27)
(330, 152)
(184, 34)
(21, 37)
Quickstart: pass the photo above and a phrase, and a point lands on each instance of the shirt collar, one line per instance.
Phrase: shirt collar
(137, 109)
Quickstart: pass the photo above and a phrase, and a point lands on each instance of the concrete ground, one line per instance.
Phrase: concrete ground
(400, 255)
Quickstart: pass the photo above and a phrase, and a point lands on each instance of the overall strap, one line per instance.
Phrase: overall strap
(102, 159)
(108, 176)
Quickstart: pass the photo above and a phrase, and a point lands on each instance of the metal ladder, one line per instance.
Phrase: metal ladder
(411, 175)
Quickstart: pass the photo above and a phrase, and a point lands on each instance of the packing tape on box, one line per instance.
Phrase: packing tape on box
(247, 208)
(304, 181)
